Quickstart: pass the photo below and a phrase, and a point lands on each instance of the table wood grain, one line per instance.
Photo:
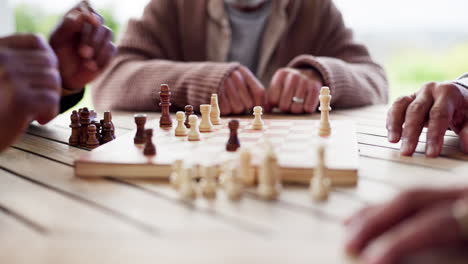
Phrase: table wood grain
(49, 216)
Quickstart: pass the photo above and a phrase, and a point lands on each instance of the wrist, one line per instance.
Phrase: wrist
(312, 74)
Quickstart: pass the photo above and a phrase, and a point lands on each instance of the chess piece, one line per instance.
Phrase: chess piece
(233, 142)
(188, 113)
(140, 121)
(107, 128)
(84, 122)
(258, 122)
(194, 134)
(325, 98)
(320, 184)
(269, 182)
(187, 187)
(175, 177)
(246, 170)
(92, 141)
(205, 124)
(92, 115)
(150, 148)
(208, 182)
(112, 124)
(165, 102)
(181, 130)
(75, 125)
(215, 114)
(98, 130)
(232, 184)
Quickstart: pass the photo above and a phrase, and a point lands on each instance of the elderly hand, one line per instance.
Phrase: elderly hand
(83, 46)
(295, 91)
(30, 85)
(416, 220)
(240, 92)
(440, 106)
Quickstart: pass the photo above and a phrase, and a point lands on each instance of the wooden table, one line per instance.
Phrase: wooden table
(49, 216)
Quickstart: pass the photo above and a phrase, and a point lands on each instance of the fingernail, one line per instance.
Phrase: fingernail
(407, 148)
(87, 52)
(392, 137)
(432, 150)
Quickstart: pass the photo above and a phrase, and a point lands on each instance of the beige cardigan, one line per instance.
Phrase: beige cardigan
(185, 43)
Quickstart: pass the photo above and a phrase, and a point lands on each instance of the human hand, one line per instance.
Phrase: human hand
(240, 92)
(30, 85)
(293, 84)
(416, 220)
(439, 105)
(83, 46)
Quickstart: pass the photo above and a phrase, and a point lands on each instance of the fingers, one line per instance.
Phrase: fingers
(224, 104)
(433, 228)
(25, 42)
(257, 91)
(242, 90)
(415, 118)
(386, 216)
(288, 91)
(233, 97)
(312, 98)
(298, 108)
(276, 87)
(396, 117)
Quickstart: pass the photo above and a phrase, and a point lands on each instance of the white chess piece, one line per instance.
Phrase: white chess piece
(181, 130)
(269, 181)
(215, 114)
(176, 173)
(187, 187)
(205, 124)
(208, 182)
(258, 122)
(194, 134)
(325, 98)
(320, 184)
(246, 169)
(232, 183)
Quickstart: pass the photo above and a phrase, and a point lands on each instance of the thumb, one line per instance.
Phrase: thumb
(464, 138)
(24, 41)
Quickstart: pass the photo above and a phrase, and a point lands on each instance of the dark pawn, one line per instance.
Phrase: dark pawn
(98, 130)
(92, 141)
(165, 102)
(140, 121)
(150, 148)
(75, 125)
(188, 112)
(233, 142)
(107, 129)
(85, 122)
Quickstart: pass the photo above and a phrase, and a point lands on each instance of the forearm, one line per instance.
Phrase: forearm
(132, 83)
(352, 84)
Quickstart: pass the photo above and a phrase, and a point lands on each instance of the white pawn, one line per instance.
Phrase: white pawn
(181, 130)
(269, 182)
(246, 170)
(232, 184)
(215, 114)
(187, 189)
(208, 182)
(176, 173)
(320, 184)
(325, 98)
(205, 124)
(258, 122)
(194, 134)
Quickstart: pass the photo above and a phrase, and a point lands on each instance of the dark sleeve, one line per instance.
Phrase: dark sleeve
(69, 101)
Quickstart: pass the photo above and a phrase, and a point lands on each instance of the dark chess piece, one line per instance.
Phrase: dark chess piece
(150, 148)
(85, 122)
(165, 102)
(188, 112)
(75, 125)
(112, 124)
(140, 121)
(98, 130)
(233, 143)
(92, 141)
(107, 129)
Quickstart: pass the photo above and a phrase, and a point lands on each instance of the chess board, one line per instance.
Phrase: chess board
(294, 141)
